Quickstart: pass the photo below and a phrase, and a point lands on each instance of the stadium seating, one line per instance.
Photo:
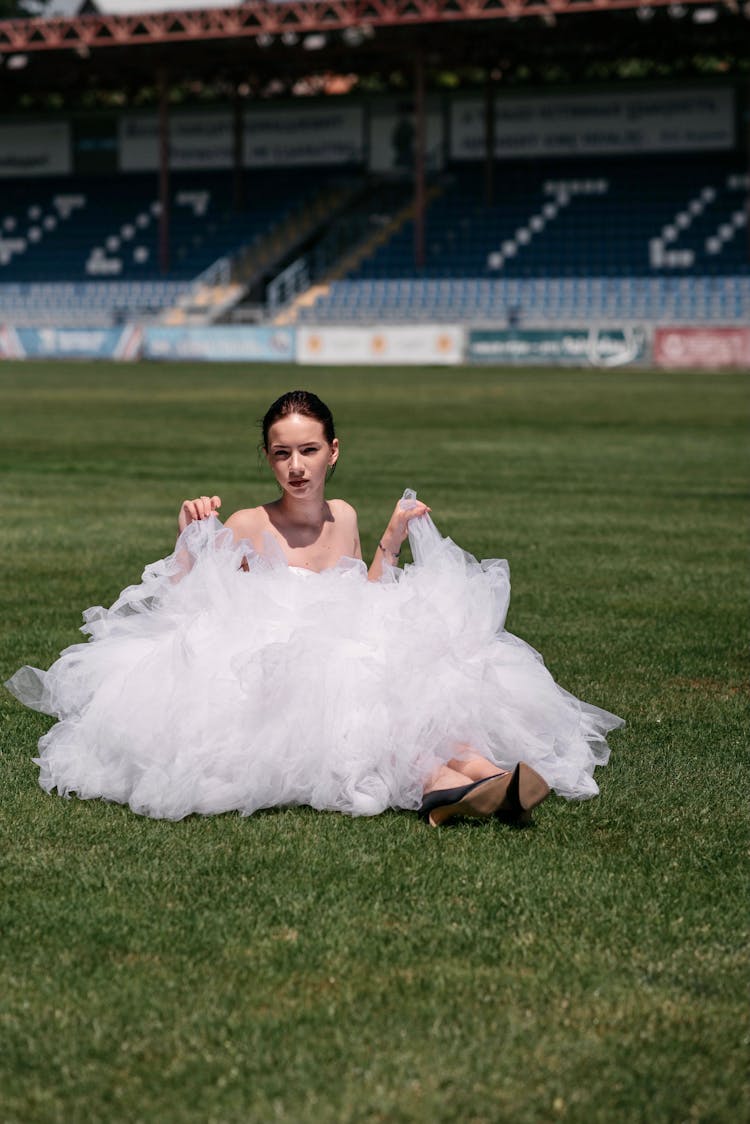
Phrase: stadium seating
(535, 301)
(563, 219)
(87, 249)
(566, 240)
(643, 239)
(75, 229)
(90, 304)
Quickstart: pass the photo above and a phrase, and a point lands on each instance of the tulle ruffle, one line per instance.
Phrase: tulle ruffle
(210, 687)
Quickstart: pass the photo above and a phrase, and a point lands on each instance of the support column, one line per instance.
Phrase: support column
(238, 152)
(489, 141)
(419, 160)
(164, 211)
(747, 145)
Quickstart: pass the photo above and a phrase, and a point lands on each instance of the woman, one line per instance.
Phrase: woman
(261, 664)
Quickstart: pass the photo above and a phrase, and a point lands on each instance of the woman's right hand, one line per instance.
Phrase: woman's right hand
(200, 508)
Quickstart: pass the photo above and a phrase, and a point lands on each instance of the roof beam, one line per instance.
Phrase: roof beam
(271, 17)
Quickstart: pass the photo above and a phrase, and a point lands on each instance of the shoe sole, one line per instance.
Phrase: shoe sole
(511, 796)
(480, 804)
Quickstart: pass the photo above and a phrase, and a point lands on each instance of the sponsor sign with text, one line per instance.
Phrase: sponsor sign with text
(422, 343)
(75, 343)
(220, 343)
(273, 138)
(702, 347)
(35, 149)
(587, 347)
(681, 120)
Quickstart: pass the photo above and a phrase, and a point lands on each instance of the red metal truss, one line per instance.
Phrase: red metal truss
(272, 17)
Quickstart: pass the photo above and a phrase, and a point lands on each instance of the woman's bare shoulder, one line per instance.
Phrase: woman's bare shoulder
(247, 522)
(341, 510)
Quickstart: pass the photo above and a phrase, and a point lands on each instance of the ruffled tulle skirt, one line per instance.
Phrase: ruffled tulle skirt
(211, 687)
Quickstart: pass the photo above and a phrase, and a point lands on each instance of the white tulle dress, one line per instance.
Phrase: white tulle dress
(228, 688)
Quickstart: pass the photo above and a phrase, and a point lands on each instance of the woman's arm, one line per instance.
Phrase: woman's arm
(247, 525)
(190, 512)
(394, 536)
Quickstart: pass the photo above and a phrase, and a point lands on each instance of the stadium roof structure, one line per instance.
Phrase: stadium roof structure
(261, 40)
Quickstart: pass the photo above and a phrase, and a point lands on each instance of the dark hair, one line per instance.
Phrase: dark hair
(302, 402)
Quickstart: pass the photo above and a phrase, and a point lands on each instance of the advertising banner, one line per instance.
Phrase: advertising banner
(77, 343)
(421, 343)
(392, 133)
(273, 138)
(685, 120)
(228, 343)
(583, 347)
(702, 347)
(41, 149)
(9, 345)
(282, 138)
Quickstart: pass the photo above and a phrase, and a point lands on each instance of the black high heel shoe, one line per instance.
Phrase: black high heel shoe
(479, 800)
(526, 790)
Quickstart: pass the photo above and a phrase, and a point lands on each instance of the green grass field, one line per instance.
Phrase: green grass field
(298, 966)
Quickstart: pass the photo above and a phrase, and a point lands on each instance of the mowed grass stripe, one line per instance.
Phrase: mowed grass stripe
(300, 966)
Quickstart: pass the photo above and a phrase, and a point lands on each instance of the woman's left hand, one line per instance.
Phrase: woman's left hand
(398, 525)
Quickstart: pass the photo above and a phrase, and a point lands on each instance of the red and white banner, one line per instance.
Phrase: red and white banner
(707, 348)
(9, 345)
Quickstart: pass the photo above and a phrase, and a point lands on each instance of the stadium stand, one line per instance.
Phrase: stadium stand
(534, 302)
(74, 229)
(628, 239)
(84, 251)
(636, 239)
(562, 219)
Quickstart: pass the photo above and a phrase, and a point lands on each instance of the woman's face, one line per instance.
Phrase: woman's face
(299, 454)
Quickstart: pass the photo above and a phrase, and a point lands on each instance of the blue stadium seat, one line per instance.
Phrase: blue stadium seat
(622, 238)
(101, 232)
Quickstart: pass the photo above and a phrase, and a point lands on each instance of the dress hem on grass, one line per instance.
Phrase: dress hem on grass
(209, 687)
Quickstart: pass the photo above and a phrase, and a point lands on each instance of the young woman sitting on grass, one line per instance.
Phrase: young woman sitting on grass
(262, 664)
